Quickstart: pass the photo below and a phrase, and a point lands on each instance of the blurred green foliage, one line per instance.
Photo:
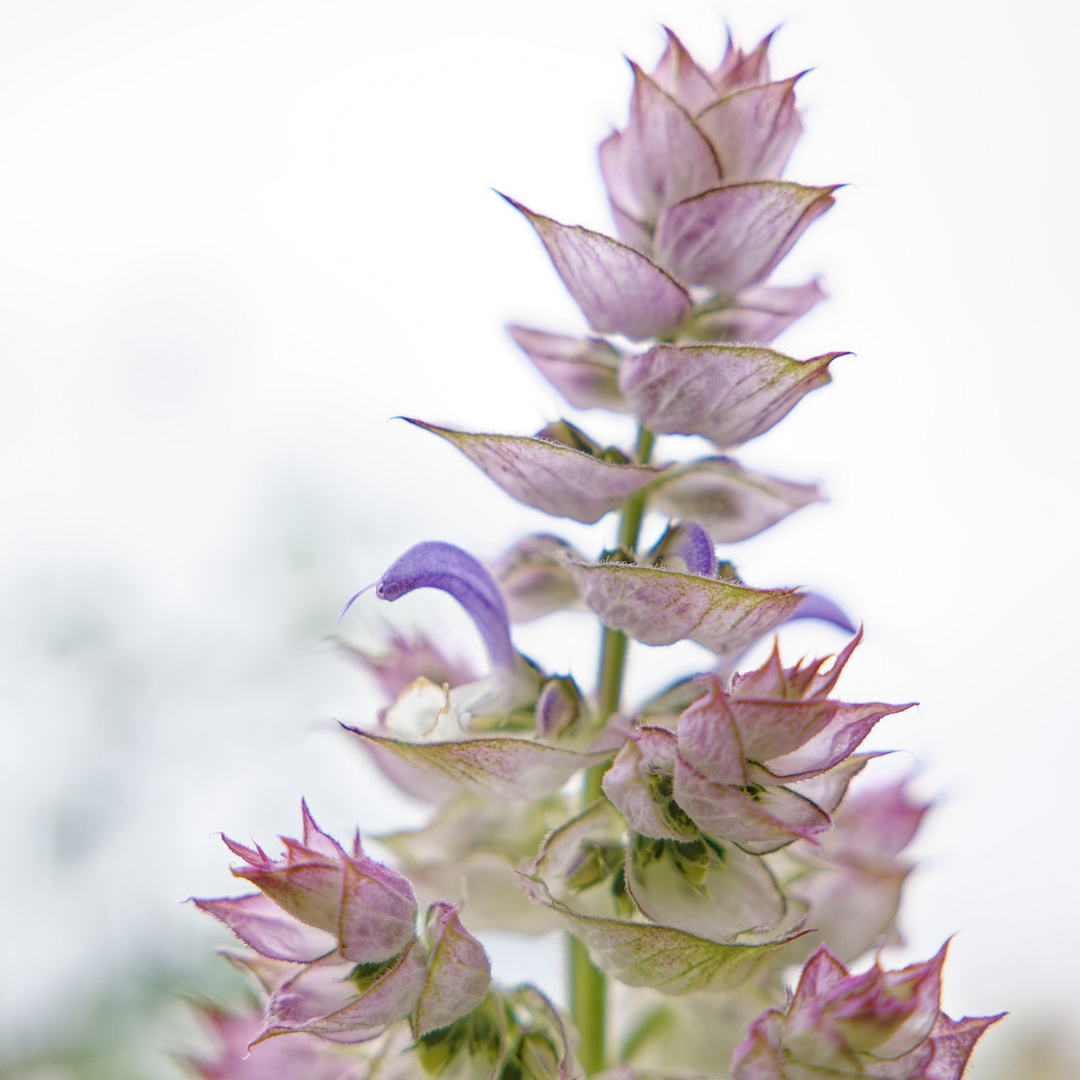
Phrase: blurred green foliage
(133, 1031)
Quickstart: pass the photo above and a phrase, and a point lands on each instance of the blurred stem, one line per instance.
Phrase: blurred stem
(588, 1005)
(588, 986)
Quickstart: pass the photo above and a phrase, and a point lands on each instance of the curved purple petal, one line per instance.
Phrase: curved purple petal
(828, 789)
(434, 564)
(559, 707)
(631, 783)
(771, 820)
(953, 1042)
(378, 911)
(710, 740)
(620, 193)
(847, 727)
(742, 68)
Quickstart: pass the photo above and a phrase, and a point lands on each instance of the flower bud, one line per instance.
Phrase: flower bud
(879, 1023)
(367, 909)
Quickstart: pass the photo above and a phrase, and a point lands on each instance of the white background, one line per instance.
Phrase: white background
(238, 237)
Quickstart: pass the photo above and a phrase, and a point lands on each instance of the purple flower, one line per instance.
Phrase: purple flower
(852, 879)
(424, 709)
(300, 1058)
(761, 765)
(691, 130)
(694, 184)
(349, 924)
(434, 564)
(880, 1024)
(686, 546)
(406, 659)
(318, 901)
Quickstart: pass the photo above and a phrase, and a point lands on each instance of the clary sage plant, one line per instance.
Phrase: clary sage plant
(694, 846)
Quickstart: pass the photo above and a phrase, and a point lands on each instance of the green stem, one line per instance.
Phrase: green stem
(588, 1006)
(588, 986)
(634, 507)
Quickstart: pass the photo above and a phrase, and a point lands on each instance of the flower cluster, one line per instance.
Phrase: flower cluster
(348, 924)
(881, 1024)
(696, 844)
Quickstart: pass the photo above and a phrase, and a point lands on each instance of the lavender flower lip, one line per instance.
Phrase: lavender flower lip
(434, 564)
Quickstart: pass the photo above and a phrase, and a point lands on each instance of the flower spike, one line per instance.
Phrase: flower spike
(696, 846)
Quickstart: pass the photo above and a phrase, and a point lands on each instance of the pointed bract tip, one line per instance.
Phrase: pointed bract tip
(514, 203)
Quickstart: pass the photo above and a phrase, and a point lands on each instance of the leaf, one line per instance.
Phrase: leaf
(728, 393)
(733, 503)
(550, 476)
(657, 606)
(666, 156)
(323, 1001)
(709, 738)
(754, 130)
(617, 180)
(579, 858)
(535, 577)
(678, 74)
(581, 369)
(646, 954)
(847, 727)
(501, 766)
(828, 789)
(639, 784)
(458, 972)
(758, 313)
(716, 895)
(769, 820)
(259, 923)
(619, 290)
(734, 235)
